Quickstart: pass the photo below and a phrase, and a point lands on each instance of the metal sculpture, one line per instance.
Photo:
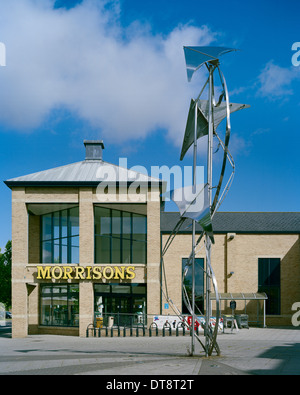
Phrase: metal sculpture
(197, 201)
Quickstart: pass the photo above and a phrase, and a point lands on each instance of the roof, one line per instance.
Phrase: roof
(84, 173)
(240, 296)
(240, 222)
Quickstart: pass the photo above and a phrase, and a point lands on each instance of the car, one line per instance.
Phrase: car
(8, 314)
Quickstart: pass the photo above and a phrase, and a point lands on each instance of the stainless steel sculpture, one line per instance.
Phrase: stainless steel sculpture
(197, 202)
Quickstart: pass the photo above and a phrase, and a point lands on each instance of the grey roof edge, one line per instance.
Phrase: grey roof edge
(38, 178)
(12, 184)
(240, 223)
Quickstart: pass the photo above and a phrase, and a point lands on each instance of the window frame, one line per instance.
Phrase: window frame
(121, 238)
(267, 284)
(59, 241)
(69, 294)
(199, 264)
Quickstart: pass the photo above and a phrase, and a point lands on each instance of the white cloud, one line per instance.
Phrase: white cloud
(126, 81)
(276, 81)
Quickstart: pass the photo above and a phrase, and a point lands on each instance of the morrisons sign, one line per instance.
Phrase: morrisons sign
(85, 273)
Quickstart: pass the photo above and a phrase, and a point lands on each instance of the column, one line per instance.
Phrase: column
(19, 262)
(153, 253)
(86, 258)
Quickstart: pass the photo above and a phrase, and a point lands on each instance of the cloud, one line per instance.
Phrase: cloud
(125, 81)
(275, 81)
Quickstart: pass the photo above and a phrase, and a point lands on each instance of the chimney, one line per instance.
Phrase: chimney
(93, 149)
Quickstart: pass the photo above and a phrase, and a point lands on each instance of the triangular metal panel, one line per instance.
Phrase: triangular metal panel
(219, 113)
(196, 56)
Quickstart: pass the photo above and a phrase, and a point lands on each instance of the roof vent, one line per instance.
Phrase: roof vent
(93, 149)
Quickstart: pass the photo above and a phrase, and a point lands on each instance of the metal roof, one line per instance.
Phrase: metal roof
(240, 222)
(84, 173)
(240, 296)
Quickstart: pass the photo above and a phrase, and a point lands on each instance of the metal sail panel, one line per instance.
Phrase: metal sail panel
(220, 111)
(202, 128)
(196, 56)
(193, 203)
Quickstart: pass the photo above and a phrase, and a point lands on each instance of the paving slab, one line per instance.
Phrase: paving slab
(254, 351)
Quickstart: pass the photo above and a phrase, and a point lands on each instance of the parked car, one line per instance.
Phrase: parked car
(8, 314)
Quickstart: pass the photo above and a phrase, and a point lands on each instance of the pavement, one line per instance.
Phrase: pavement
(254, 351)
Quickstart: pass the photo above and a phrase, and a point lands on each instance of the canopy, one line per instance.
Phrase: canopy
(240, 296)
(196, 56)
(245, 296)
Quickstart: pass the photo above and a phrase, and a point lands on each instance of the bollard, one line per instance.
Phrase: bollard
(167, 324)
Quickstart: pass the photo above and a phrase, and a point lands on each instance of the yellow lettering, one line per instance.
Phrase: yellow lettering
(97, 273)
(67, 273)
(79, 273)
(60, 272)
(119, 273)
(105, 275)
(88, 275)
(130, 270)
(43, 273)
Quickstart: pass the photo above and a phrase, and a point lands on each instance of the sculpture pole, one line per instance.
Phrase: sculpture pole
(194, 235)
(209, 182)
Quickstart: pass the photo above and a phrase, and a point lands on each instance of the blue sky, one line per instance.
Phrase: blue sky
(114, 70)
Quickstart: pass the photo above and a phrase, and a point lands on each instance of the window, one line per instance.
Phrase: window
(120, 236)
(59, 305)
(125, 302)
(269, 282)
(60, 236)
(199, 284)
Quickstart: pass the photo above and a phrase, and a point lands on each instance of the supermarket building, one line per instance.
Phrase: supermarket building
(87, 240)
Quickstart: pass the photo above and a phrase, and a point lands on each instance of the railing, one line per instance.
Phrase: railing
(123, 325)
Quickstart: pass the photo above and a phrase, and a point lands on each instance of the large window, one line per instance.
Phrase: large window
(269, 282)
(199, 284)
(60, 236)
(120, 236)
(125, 302)
(59, 305)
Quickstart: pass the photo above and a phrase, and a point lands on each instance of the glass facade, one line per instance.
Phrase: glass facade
(199, 284)
(59, 305)
(269, 282)
(60, 236)
(120, 236)
(125, 302)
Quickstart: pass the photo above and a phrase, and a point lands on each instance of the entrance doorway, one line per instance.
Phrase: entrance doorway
(126, 303)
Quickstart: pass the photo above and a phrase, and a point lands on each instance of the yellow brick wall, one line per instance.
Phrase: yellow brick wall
(240, 255)
(26, 253)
